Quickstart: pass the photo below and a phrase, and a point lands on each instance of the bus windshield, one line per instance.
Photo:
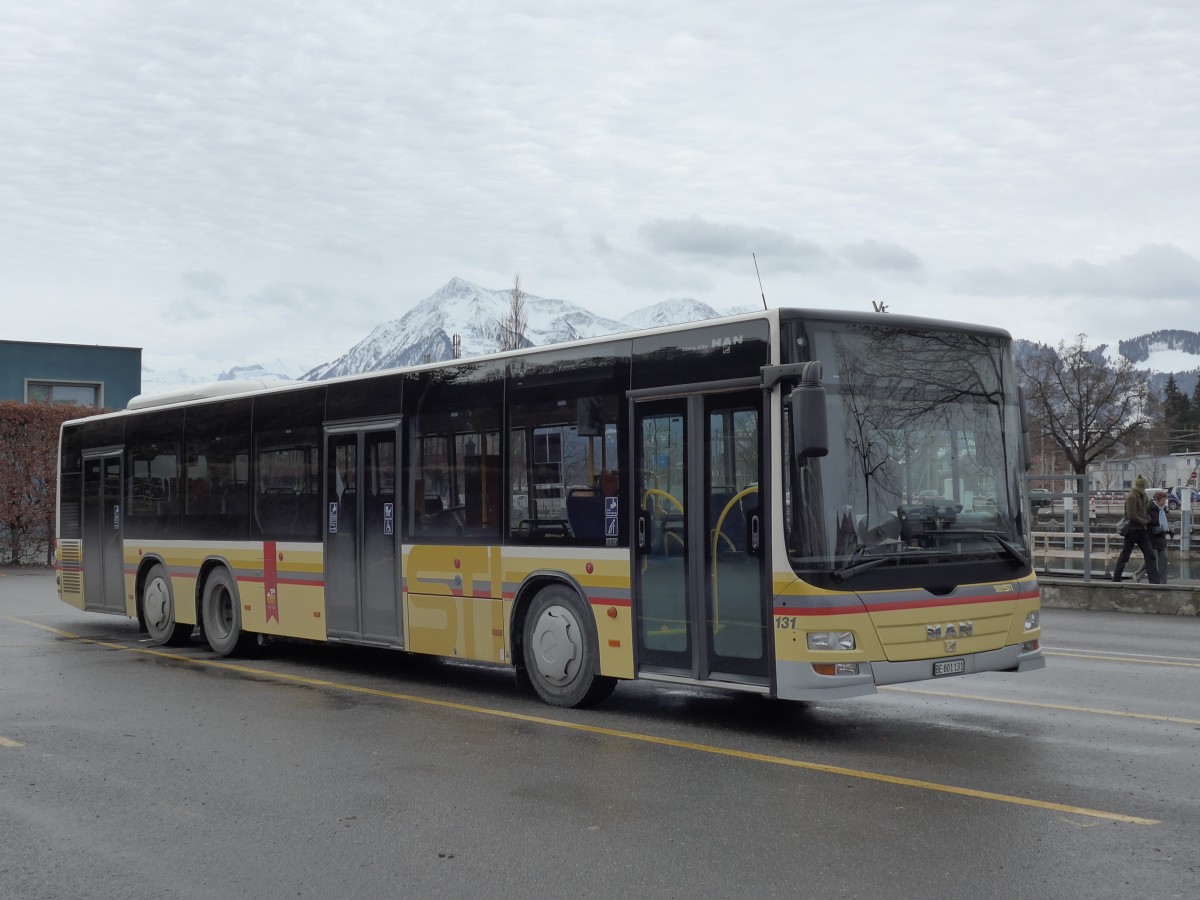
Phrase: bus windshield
(921, 482)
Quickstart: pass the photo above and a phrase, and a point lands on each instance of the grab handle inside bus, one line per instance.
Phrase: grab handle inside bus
(810, 429)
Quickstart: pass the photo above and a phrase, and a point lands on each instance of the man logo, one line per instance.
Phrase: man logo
(949, 630)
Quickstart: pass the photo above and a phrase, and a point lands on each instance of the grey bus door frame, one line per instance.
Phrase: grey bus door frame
(701, 585)
(101, 517)
(363, 598)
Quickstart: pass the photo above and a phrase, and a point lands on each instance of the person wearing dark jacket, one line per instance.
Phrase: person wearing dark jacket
(1138, 533)
(1160, 535)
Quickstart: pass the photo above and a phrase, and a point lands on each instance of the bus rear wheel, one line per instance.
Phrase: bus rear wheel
(158, 609)
(221, 612)
(562, 655)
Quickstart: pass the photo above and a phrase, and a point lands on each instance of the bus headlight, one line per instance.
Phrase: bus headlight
(831, 640)
(1032, 619)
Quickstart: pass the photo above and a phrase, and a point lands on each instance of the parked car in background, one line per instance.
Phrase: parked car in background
(1174, 498)
(1040, 497)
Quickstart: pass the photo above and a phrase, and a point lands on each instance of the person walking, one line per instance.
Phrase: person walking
(1160, 534)
(1138, 533)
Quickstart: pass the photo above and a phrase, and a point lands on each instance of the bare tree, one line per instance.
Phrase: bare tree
(512, 327)
(1086, 405)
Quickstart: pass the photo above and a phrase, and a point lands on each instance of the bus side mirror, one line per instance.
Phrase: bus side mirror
(810, 428)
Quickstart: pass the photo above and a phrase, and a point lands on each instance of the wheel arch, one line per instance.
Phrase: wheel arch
(533, 584)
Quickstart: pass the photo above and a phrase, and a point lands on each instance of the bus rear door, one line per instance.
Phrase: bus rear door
(103, 546)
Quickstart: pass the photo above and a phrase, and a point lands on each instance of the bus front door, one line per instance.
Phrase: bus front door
(103, 547)
(701, 592)
(362, 559)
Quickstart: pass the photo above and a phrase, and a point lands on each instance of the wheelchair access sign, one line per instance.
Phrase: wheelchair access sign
(612, 507)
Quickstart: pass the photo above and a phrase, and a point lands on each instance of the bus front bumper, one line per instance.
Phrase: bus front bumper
(798, 681)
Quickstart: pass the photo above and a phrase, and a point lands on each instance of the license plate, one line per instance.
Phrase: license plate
(949, 667)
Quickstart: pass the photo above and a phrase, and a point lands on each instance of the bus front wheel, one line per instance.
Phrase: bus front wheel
(562, 655)
(158, 609)
(221, 612)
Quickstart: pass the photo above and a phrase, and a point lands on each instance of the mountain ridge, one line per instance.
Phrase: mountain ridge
(426, 333)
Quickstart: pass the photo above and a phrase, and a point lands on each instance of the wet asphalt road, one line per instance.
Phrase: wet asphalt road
(324, 772)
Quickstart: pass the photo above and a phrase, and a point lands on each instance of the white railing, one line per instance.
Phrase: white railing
(1104, 546)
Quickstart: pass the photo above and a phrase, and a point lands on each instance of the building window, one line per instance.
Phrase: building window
(52, 392)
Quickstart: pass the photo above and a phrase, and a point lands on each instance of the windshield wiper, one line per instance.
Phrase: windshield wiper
(1011, 551)
(850, 571)
(852, 568)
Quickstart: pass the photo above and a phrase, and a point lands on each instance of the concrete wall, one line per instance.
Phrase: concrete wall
(1165, 599)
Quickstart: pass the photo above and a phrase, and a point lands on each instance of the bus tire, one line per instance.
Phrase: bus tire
(158, 609)
(221, 613)
(562, 654)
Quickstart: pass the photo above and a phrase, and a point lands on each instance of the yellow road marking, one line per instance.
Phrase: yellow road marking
(1059, 706)
(1135, 659)
(608, 732)
(9, 742)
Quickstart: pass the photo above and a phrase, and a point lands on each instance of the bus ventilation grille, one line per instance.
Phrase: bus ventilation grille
(70, 566)
(70, 552)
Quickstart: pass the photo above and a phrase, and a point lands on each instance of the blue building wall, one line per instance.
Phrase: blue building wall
(115, 371)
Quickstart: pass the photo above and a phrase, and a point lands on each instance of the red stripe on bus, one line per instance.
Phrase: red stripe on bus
(931, 603)
(813, 611)
(609, 601)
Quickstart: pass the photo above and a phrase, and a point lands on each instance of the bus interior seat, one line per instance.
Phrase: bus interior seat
(585, 513)
(277, 512)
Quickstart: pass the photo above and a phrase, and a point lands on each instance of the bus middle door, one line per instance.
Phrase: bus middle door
(362, 520)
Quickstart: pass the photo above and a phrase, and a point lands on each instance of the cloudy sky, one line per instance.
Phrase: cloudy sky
(224, 182)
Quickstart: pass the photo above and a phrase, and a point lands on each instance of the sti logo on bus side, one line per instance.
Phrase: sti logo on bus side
(949, 630)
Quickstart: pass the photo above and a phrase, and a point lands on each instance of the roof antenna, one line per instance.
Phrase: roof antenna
(759, 274)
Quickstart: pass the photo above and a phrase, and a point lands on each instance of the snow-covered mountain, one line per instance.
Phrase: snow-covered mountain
(675, 311)
(1166, 353)
(425, 333)
(156, 382)
(1160, 354)
(272, 372)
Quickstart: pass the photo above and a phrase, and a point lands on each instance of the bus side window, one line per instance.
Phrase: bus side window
(452, 422)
